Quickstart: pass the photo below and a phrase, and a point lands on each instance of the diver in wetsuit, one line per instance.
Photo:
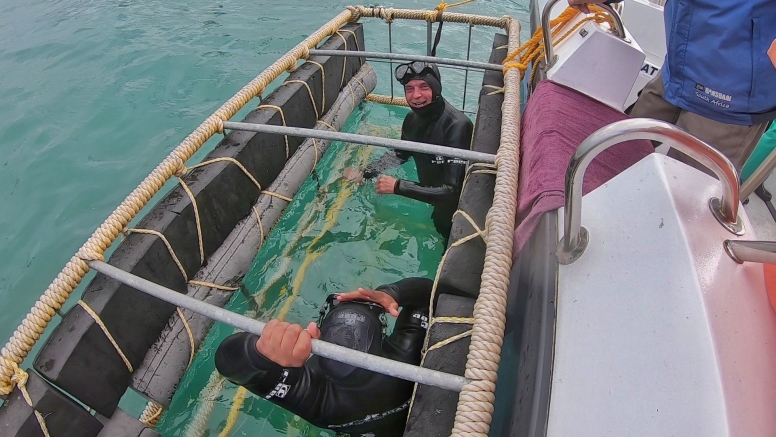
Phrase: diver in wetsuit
(434, 121)
(326, 393)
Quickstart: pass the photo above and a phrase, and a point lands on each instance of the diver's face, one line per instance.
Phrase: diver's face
(418, 93)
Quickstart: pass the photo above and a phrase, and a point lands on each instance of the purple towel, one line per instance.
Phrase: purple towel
(556, 120)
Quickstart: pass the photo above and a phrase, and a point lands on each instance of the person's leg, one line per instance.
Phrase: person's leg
(651, 103)
(734, 141)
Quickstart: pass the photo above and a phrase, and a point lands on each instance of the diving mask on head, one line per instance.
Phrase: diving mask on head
(405, 72)
(357, 325)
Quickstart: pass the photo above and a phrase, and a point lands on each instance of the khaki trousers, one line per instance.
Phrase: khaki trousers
(734, 141)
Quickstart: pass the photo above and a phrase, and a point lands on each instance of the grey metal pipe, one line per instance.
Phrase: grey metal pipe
(549, 51)
(751, 251)
(761, 173)
(321, 348)
(411, 146)
(725, 210)
(406, 57)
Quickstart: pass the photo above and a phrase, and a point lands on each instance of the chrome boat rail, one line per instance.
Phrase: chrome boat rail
(763, 252)
(725, 209)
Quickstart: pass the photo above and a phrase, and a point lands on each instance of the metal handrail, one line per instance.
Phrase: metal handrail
(741, 251)
(725, 210)
(549, 52)
(409, 57)
(375, 363)
(411, 146)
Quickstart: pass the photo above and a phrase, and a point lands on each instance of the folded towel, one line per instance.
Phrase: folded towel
(555, 121)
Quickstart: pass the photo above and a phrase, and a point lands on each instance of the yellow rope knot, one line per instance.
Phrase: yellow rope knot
(182, 169)
(90, 255)
(20, 378)
(355, 13)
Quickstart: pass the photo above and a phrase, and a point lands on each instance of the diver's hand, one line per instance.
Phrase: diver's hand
(354, 175)
(385, 184)
(582, 5)
(375, 296)
(285, 344)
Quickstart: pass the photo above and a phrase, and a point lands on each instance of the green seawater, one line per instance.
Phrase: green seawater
(94, 94)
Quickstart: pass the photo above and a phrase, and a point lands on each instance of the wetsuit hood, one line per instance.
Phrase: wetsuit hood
(429, 74)
(356, 326)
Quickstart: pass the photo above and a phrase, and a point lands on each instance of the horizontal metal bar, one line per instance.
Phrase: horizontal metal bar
(751, 251)
(411, 146)
(406, 57)
(321, 348)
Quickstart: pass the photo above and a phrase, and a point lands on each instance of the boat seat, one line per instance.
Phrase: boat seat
(555, 121)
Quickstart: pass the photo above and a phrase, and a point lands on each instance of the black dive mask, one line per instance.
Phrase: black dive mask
(405, 72)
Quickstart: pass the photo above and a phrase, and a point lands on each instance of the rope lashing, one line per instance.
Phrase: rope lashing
(19, 378)
(212, 285)
(496, 90)
(261, 226)
(332, 128)
(107, 333)
(323, 85)
(151, 414)
(344, 59)
(197, 220)
(309, 91)
(533, 49)
(436, 14)
(387, 100)
(282, 118)
(167, 244)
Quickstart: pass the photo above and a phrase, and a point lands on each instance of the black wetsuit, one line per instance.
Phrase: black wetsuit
(440, 178)
(374, 404)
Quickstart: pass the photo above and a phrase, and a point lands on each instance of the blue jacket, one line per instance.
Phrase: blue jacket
(717, 64)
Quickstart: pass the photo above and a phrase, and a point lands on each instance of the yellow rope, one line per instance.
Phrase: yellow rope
(496, 90)
(234, 411)
(449, 340)
(282, 117)
(233, 161)
(355, 38)
(456, 320)
(166, 243)
(151, 414)
(317, 152)
(19, 378)
(261, 226)
(102, 326)
(196, 220)
(279, 196)
(344, 59)
(323, 84)
(387, 100)
(191, 335)
(212, 285)
(443, 6)
(310, 92)
(332, 128)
